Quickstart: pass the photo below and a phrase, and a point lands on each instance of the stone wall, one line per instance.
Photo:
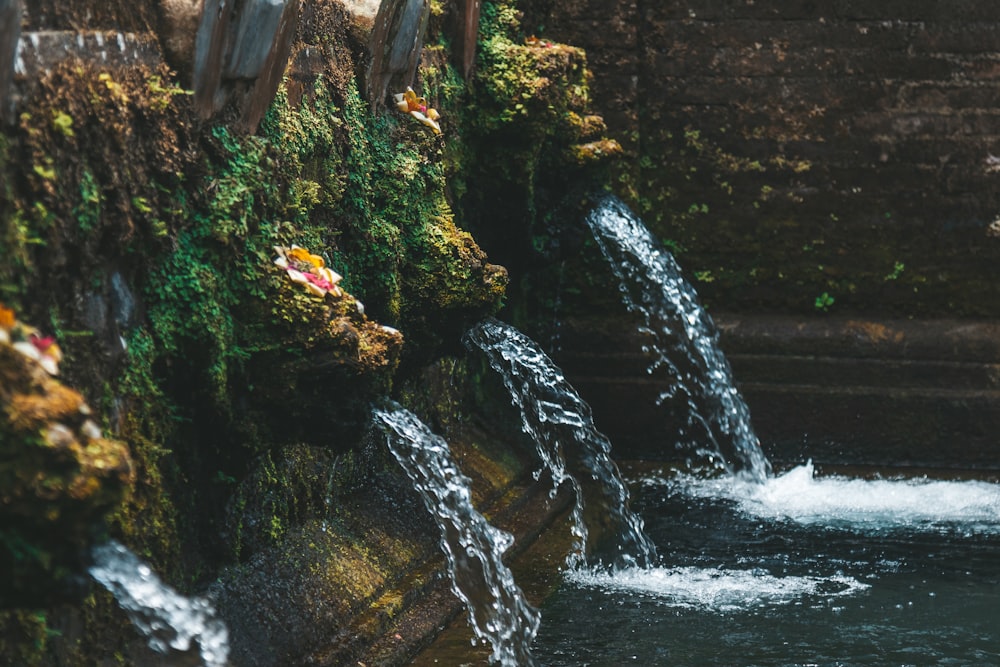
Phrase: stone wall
(892, 393)
(794, 149)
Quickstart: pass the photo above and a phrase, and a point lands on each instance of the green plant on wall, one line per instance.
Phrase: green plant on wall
(897, 271)
(823, 302)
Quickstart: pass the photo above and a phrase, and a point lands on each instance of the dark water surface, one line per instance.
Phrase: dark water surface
(800, 571)
(834, 570)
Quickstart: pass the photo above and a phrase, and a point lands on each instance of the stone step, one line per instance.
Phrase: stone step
(42, 50)
(925, 340)
(886, 393)
(808, 369)
(887, 373)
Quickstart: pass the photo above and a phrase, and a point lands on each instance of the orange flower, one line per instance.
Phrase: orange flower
(7, 319)
(408, 101)
(303, 255)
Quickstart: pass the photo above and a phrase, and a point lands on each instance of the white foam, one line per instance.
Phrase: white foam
(715, 589)
(800, 496)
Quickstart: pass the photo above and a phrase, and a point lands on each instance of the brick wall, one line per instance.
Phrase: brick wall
(790, 149)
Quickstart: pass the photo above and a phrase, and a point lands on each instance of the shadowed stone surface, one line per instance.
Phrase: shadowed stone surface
(240, 54)
(844, 391)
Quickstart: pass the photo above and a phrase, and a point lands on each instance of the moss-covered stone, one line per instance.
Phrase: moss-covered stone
(534, 150)
(143, 238)
(59, 478)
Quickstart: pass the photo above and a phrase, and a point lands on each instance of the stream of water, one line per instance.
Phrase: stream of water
(683, 341)
(169, 621)
(560, 424)
(496, 607)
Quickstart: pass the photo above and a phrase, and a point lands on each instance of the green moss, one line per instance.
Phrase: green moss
(16, 236)
(149, 519)
(24, 636)
(286, 489)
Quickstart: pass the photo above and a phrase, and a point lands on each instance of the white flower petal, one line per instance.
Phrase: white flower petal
(298, 277)
(90, 430)
(329, 275)
(59, 436)
(50, 365)
(426, 121)
(28, 350)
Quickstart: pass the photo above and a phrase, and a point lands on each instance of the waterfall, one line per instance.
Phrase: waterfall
(559, 421)
(497, 609)
(685, 340)
(168, 620)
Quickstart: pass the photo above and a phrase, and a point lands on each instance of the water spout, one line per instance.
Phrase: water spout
(685, 340)
(168, 620)
(570, 446)
(497, 609)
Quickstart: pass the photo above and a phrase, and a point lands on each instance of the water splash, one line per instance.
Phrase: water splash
(560, 423)
(717, 589)
(685, 340)
(497, 609)
(969, 506)
(168, 620)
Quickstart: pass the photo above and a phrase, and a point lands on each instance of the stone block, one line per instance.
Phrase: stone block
(241, 51)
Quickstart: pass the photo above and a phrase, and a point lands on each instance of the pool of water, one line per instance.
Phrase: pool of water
(800, 571)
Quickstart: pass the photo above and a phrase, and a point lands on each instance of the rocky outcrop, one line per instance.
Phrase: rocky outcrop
(59, 476)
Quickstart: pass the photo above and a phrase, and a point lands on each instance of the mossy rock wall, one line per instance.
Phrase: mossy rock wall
(142, 237)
